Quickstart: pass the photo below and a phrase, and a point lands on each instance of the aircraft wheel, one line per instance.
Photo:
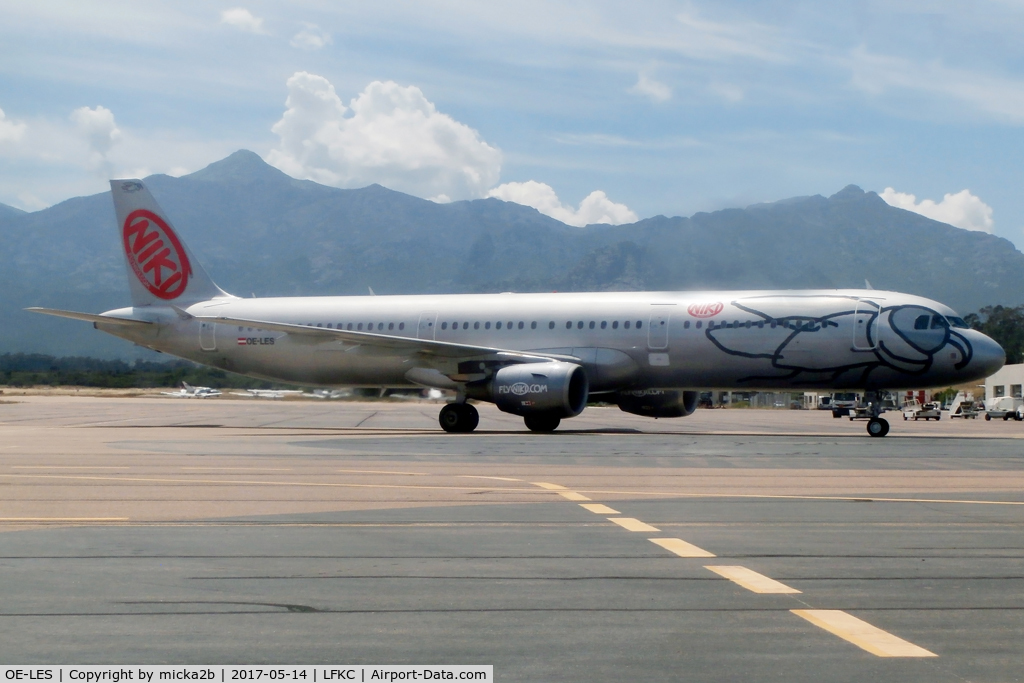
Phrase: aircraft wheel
(987, 417)
(878, 427)
(1006, 417)
(836, 413)
(458, 417)
(904, 418)
(542, 422)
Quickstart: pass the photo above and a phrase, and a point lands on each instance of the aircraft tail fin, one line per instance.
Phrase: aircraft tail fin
(161, 268)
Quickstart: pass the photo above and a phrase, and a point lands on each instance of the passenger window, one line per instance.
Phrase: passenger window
(465, 326)
(604, 324)
(476, 326)
(319, 324)
(626, 324)
(639, 324)
(774, 324)
(444, 326)
(938, 322)
(497, 325)
(760, 324)
(699, 324)
(360, 327)
(349, 326)
(615, 324)
(686, 325)
(401, 326)
(391, 326)
(749, 323)
(568, 324)
(532, 328)
(579, 325)
(921, 323)
(591, 324)
(487, 325)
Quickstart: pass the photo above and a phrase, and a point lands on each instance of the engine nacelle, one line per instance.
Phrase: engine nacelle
(658, 402)
(554, 387)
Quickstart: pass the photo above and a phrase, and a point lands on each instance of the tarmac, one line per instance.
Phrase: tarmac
(760, 545)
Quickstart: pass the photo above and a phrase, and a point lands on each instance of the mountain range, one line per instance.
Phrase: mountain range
(260, 232)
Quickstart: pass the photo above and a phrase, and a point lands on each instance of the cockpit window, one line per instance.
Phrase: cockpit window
(957, 322)
(921, 323)
(938, 322)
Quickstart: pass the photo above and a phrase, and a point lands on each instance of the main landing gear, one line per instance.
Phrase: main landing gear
(458, 417)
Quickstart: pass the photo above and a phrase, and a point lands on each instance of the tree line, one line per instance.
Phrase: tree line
(1004, 324)
(36, 369)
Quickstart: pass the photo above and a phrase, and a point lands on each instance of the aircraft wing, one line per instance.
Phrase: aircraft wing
(427, 347)
(88, 317)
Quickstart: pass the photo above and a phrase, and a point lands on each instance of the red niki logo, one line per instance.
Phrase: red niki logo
(705, 310)
(155, 254)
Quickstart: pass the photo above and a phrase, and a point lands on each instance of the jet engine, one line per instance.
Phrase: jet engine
(554, 388)
(658, 402)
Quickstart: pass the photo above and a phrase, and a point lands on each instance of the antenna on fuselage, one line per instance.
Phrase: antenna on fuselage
(867, 285)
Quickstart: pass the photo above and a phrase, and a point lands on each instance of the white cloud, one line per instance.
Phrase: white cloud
(730, 93)
(595, 208)
(648, 87)
(10, 131)
(389, 134)
(963, 209)
(243, 20)
(999, 97)
(101, 133)
(311, 37)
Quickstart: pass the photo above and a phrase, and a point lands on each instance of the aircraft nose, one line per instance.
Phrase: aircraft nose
(987, 358)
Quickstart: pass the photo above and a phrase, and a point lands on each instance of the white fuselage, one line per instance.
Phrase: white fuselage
(826, 339)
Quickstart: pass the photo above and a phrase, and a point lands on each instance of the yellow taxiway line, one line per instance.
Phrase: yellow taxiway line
(861, 633)
(751, 580)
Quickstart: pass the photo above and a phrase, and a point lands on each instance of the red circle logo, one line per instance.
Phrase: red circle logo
(155, 254)
(705, 310)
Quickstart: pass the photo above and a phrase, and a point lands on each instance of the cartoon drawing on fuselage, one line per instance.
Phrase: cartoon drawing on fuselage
(903, 337)
(539, 356)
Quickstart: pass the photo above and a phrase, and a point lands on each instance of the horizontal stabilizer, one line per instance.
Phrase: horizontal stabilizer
(410, 344)
(88, 317)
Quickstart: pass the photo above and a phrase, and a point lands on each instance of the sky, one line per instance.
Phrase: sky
(588, 111)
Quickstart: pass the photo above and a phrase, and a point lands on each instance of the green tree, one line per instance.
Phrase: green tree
(1005, 325)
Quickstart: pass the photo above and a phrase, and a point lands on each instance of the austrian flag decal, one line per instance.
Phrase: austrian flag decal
(156, 255)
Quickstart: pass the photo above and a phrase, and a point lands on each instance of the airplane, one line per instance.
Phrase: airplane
(539, 356)
(189, 391)
(266, 393)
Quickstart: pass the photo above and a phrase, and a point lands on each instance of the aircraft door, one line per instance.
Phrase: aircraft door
(657, 328)
(208, 336)
(428, 320)
(865, 325)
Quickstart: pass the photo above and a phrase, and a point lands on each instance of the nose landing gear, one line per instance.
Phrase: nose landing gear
(877, 426)
(458, 418)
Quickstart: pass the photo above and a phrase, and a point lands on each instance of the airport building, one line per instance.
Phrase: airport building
(1006, 382)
